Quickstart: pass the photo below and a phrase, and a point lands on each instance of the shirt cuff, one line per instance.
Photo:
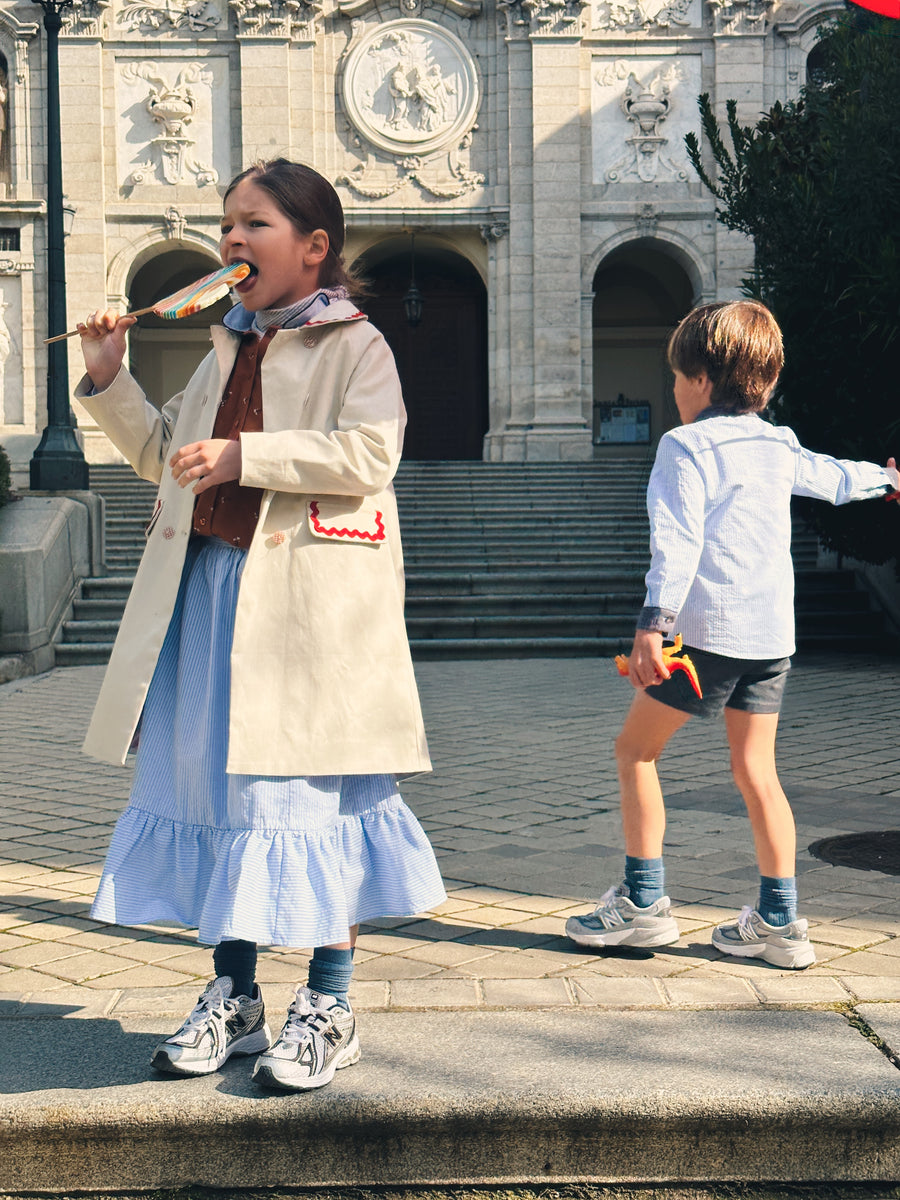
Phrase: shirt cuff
(657, 620)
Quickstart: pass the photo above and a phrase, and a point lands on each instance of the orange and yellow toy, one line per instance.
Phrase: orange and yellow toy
(674, 664)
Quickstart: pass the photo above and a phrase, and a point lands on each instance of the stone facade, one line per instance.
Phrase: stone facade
(535, 144)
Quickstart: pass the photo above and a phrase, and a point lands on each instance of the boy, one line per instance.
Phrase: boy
(721, 575)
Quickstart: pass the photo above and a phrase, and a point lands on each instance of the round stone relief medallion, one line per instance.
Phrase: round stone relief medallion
(411, 87)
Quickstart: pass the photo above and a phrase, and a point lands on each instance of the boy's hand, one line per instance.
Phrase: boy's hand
(891, 469)
(212, 462)
(646, 665)
(103, 345)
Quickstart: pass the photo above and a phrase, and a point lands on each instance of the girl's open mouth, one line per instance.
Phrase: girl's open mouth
(244, 284)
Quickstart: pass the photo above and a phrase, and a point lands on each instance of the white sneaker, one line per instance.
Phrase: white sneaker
(318, 1038)
(617, 922)
(219, 1025)
(751, 937)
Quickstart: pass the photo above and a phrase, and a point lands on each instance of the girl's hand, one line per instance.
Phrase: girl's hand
(212, 462)
(895, 479)
(103, 345)
(646, 666)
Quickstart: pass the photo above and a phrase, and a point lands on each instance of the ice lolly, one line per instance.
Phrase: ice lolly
(188, 300)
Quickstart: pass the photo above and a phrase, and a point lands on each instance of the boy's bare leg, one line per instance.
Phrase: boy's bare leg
(751, 737)
(648, 727)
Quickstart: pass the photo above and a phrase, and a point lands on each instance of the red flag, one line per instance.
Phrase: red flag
(887, 8)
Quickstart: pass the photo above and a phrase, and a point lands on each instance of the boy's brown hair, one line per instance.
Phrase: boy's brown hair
(738, 345)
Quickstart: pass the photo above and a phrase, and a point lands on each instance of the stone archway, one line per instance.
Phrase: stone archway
(164, 354)
(640, 294)
(443, 362)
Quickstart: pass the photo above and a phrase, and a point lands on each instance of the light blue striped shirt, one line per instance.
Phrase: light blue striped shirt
(719, 496)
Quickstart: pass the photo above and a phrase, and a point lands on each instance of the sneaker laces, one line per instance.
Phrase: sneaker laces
(745, 925)
(303, 1018)
(607, 912)
(211, 1006)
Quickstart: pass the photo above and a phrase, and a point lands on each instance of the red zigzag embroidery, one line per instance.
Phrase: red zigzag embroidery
(356, 533)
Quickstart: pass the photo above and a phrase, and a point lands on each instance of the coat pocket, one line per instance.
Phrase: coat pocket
(346, 519)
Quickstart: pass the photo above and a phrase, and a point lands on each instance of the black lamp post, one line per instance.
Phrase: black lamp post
(57, 464)
(413, 302)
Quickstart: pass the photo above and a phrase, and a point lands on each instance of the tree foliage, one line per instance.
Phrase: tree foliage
(816, 184)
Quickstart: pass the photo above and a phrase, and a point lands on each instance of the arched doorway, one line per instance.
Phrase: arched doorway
(443, 361)
(640, 294)
(164, 354)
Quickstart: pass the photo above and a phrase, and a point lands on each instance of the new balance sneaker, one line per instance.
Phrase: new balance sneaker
(318, 1038)
(751, 937)
(617, 922)
(219, 1026)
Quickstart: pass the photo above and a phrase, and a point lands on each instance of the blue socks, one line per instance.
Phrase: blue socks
(330, 971)
(646, 880)
(237, 959)
(777, 900)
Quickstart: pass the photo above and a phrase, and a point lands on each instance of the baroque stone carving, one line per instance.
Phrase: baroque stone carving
(647, 220)
(494, 231)
(172, 106)
(174, 223)
(410, 89)
(542, 18)
(646, 106)
(86, 18)
(298, 20)
(740, 16)
(643, 14)
(197, 16)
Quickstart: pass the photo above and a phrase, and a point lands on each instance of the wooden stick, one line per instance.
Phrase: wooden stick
(61, 337)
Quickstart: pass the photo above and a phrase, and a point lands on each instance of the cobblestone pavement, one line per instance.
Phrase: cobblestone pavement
(522, 812)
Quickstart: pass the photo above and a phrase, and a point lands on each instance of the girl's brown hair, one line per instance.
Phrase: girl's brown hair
(738, 345)
(309, 202)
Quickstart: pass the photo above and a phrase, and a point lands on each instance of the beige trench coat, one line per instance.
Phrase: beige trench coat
(321, 677)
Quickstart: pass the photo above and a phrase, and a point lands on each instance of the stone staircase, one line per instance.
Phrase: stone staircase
(503, 560)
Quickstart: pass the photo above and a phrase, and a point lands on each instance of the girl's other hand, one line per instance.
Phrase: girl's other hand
(103, 345)
(895, 478)
(646, 666)
(210, 463)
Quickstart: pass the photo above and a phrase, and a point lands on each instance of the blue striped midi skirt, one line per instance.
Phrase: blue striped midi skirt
(284, 860)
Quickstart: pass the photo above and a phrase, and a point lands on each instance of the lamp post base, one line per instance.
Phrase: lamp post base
(58, 464)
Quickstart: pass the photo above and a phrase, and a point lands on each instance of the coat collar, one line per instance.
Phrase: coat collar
(226, 338)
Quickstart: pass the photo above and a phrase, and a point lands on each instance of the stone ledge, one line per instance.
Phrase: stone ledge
(454, 1098)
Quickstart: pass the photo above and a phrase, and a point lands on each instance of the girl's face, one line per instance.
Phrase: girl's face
(286, 262)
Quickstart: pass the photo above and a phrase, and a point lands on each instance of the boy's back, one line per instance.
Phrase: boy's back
(719, 505)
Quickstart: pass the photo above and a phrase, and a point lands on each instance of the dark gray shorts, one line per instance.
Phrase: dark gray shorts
(754, 685)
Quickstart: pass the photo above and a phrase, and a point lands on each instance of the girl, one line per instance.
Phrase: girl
(263, 648)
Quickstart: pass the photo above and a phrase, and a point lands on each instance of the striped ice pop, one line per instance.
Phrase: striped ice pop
(201, 294)
(189, 300)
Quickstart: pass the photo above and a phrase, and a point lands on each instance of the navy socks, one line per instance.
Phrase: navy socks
(777, 900)
(237, 959)
(330, 971)
(646, 880)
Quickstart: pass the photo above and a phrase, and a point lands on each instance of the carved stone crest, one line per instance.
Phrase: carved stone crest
(172, 106)
(646, 106)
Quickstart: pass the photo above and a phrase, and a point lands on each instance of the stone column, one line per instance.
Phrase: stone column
(559, 430)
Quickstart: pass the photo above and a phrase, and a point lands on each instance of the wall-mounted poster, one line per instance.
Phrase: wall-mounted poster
(625, 424)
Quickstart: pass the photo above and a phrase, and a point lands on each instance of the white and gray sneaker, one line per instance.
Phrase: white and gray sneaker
(318, 1038)
(752, 937)
(616, 921)
(219, 1025)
